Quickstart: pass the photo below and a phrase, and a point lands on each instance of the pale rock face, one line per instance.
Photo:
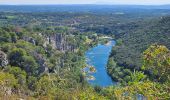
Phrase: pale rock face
(30, 39)
(62, 43)
(47, 41)
(3, 59)
(59, 42)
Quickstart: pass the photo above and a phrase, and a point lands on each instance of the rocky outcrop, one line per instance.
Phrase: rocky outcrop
(3, 59)
(42, 63)
(30, 39)
(60, 42)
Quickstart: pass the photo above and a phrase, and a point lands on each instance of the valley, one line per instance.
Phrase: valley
(84, 52)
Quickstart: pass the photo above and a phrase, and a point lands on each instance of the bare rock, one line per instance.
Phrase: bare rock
(3, 59)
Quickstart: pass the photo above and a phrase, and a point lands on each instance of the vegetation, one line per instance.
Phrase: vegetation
(157, 61)
(139, 84)
(141, 64)
(38, 69)
(127, 55)
(42, 52)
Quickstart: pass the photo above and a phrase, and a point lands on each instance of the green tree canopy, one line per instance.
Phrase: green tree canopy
(157, 59)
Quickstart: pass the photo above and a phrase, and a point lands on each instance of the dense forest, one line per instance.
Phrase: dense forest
(130, 46)
(42, 52)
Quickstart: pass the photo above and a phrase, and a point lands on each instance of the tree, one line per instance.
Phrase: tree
(7, 83)
(111, 65)
(29, 64)
(156, 59)
(13, 37)
(7, 79)
(136, 77)
(18, 73)
(145, 90)
(16, 56)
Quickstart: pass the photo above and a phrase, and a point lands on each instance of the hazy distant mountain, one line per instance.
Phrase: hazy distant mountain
(100, 6)
(134, 6)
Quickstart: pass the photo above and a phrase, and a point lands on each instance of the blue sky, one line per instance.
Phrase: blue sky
(136, 2)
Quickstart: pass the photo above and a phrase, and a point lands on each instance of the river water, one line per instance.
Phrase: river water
(98, 57)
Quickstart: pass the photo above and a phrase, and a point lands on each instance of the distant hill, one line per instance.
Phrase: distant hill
(77, 8)
(139, 39)
(127, 55)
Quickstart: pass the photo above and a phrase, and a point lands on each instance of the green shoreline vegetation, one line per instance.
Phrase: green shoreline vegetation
(151, 68)
(42, 54)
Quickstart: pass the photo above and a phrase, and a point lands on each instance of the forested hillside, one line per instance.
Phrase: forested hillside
(127, 54)
(41, 61)
(42, 52)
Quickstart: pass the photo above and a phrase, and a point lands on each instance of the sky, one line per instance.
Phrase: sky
(128, 2)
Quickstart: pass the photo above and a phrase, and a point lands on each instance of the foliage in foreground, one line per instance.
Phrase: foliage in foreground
(23, 75)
